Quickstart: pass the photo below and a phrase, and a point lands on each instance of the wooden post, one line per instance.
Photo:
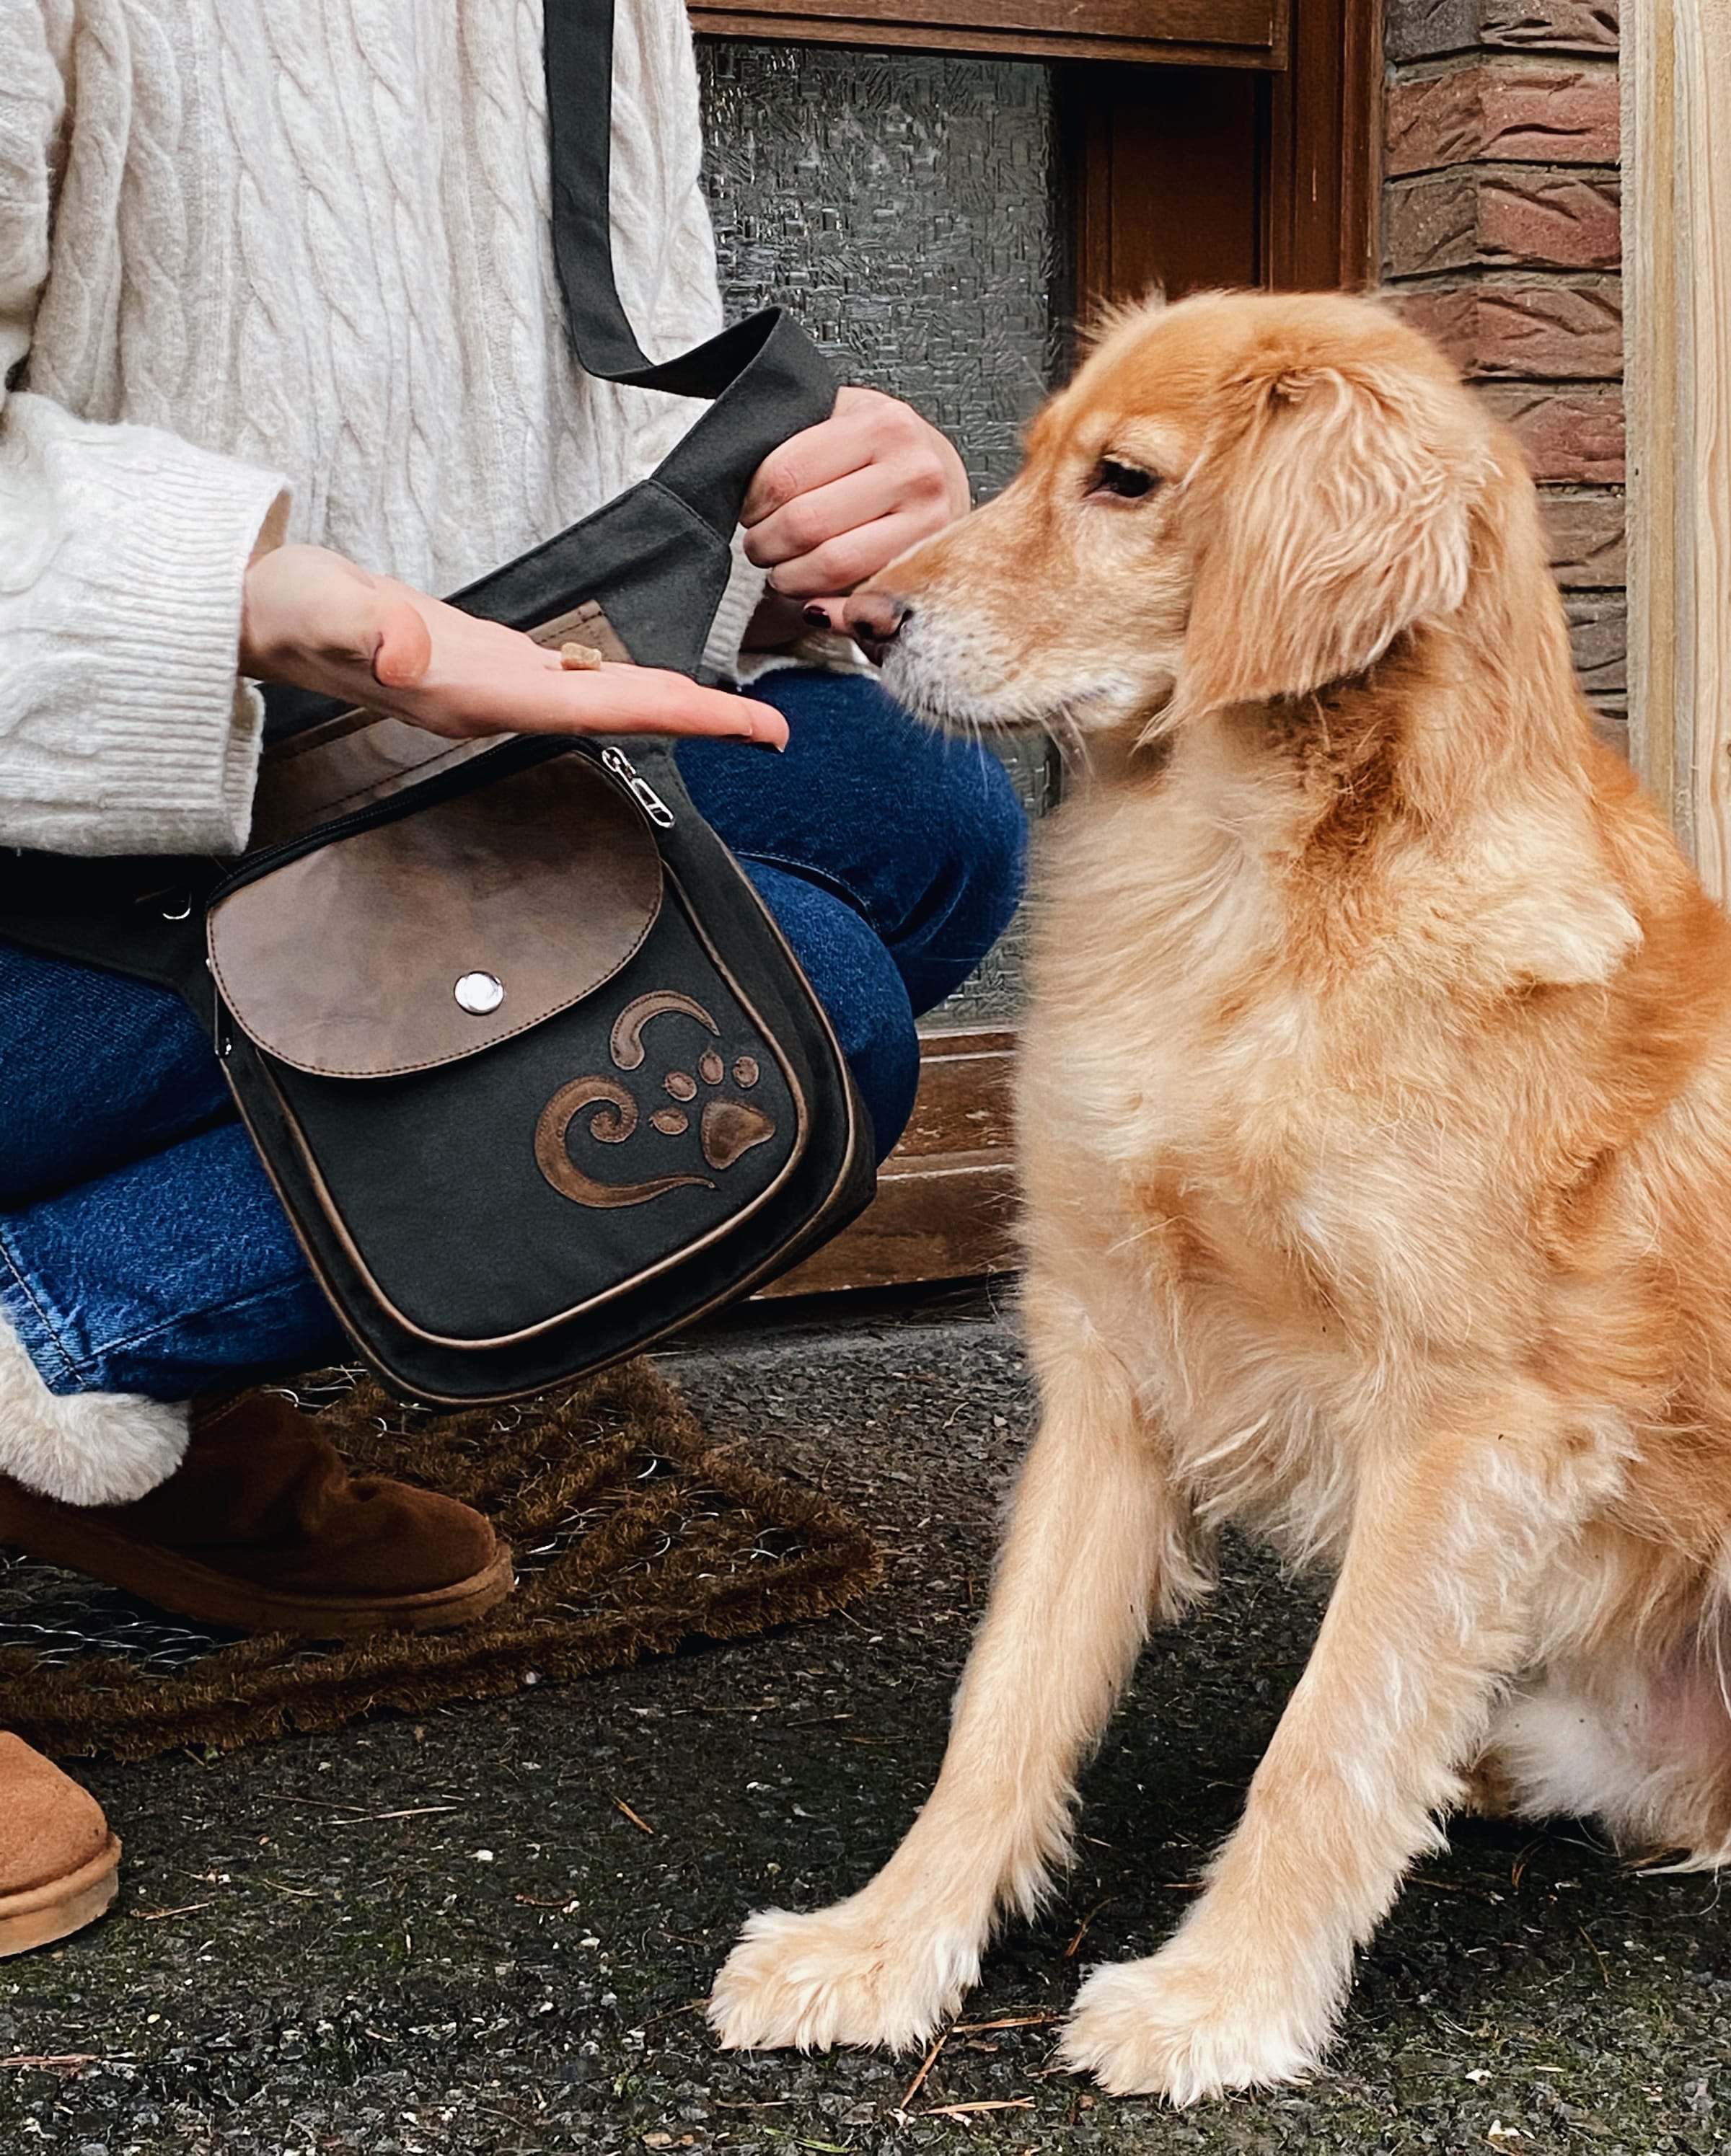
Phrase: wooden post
(1676, 206)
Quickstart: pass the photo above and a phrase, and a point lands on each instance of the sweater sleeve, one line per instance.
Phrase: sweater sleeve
(123, 728)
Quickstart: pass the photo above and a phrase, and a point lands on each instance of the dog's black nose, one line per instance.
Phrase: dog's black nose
(874, 619)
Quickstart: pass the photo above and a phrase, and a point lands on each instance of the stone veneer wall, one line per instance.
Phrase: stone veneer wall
(1502, 233)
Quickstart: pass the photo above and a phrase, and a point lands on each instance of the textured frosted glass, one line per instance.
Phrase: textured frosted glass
(908, 207)
(905, 206)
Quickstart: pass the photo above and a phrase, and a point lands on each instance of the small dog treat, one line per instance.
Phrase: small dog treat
(580, 657)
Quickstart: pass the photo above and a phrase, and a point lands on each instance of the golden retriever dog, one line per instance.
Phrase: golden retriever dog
(1375, 1117)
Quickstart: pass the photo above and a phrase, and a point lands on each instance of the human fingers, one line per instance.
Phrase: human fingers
(900, 438)
(483, 677)
(811, 520)
(651, 700)
(318, 620)
(851, 558)
(865, 427)
(539, 697)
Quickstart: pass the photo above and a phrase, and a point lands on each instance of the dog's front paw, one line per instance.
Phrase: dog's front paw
(855, 1974)
(1183, 2025)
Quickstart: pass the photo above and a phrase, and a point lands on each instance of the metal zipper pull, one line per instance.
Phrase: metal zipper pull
(642, 792)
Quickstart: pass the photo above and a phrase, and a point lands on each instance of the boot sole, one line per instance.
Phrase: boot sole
(187, 1588)
(63, 1906)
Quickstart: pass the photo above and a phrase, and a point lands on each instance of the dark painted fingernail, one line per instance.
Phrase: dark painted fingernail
(817, 617)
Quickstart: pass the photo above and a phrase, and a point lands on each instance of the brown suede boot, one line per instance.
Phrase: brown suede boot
(59, 1865)
(263, 1528)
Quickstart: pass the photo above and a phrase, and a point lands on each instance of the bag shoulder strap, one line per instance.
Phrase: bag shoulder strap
(766, 377)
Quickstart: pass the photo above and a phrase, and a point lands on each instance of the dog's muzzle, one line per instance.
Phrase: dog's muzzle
(874, 619)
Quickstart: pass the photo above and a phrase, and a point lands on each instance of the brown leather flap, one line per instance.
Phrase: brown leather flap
(349, 960)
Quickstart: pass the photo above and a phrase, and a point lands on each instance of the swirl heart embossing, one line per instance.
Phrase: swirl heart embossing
(728, 1127)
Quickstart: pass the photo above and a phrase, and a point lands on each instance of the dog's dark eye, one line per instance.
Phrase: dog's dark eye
(1128, 482)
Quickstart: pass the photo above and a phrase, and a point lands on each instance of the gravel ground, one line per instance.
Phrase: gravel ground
(490, 1931)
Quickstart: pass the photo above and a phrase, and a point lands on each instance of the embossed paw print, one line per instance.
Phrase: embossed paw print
(726, 1127)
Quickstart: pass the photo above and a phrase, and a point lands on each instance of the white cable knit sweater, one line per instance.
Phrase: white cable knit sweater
(248, 245)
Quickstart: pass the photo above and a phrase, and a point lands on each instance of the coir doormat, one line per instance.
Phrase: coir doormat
(631, 1533)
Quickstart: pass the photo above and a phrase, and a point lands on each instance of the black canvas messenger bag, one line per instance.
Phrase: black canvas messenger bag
(526, 1058)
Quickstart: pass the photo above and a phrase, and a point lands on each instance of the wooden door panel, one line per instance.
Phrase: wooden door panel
(1167, 166)
(946, 1197)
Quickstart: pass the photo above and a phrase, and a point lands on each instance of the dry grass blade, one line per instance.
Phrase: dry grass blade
(412, 1811)
(1009, 2021)
(1449, 1887)
(1081, 1929)
(918, 2082)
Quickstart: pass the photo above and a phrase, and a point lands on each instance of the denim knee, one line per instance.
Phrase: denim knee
(95, 1071)
(921, 832)
(176, 1274)
(857, 981)
(976, 873)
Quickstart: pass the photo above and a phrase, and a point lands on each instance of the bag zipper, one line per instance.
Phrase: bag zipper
(642, 792)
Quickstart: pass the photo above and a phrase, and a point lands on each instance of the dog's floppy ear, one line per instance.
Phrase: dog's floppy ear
(1328, 515)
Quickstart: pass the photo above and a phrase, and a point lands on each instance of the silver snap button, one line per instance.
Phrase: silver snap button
(479, 993)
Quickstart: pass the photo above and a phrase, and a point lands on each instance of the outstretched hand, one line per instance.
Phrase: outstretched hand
(313, 619)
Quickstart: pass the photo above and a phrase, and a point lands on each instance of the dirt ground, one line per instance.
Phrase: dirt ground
(490, 1931)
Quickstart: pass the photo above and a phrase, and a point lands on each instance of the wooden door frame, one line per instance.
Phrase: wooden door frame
(1206, 154)
(1252, 33)
(1313, 86)
(1675, 76)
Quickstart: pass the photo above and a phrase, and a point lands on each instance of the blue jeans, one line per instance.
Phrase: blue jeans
(142, 1247)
